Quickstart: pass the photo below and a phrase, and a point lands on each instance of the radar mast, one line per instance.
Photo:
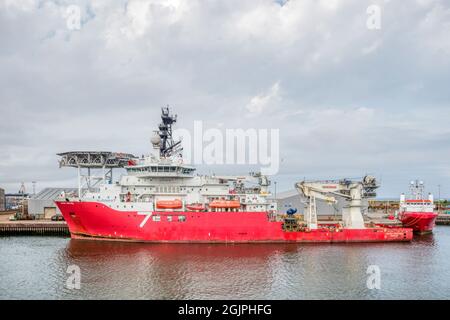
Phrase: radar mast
(163, 139)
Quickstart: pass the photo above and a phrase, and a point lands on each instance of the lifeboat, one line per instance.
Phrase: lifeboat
(225, 204)
(169, 204)
(195, 207)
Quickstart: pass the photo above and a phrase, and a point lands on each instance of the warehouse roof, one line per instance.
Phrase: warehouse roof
(52, 193)
(287, 194)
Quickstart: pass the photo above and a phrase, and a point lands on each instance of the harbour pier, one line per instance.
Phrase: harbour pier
(32, 227)
(443, 219)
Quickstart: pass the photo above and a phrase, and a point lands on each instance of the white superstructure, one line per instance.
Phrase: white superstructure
(164, 177)
(417, 202)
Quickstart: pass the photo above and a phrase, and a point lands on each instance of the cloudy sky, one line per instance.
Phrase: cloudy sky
(348, 99)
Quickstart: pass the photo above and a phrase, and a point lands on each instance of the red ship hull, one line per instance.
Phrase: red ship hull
(420, 222)
(98, 221)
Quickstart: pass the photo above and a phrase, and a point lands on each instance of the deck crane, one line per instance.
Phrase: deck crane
(352, 191)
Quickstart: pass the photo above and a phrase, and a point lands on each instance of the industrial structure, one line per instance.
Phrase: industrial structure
(291, 199)
(95, 167)
(353, 192)
(42, 205)
(2, 200)
(13, 201)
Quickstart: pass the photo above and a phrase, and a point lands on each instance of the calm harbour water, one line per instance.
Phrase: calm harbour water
(35, 268)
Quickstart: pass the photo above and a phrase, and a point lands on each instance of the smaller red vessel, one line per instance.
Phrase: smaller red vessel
(417, 213)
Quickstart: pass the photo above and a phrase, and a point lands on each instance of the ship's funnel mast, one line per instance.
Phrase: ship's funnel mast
(417, 189)
(163, 139)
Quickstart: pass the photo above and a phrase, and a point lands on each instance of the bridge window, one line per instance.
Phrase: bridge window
(156, 218)
(169, 218)
(181, 218)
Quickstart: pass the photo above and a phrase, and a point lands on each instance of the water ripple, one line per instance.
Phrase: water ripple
(35, 268)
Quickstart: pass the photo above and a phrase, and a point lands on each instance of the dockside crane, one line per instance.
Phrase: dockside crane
(352, 191)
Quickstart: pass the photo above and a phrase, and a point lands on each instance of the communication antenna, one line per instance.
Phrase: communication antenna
(22, 191)
(22, 188)
(417, 189)
(163, 139)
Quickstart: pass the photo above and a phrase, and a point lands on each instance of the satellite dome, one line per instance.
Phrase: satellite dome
(369, 179)
(155, 140)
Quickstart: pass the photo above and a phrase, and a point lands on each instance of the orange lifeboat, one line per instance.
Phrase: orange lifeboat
(169, 204)
(195, 207)
(225, 204)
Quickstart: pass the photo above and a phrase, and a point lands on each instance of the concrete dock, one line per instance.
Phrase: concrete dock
(443, 219)
(32, 227)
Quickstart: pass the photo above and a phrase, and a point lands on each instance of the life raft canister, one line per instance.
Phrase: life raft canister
(169, 204)
(195, 207)
(225, 204)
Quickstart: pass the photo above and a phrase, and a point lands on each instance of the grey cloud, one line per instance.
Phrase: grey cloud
(101, 87)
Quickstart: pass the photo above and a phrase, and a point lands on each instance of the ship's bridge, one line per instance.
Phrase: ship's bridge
(160, 169)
